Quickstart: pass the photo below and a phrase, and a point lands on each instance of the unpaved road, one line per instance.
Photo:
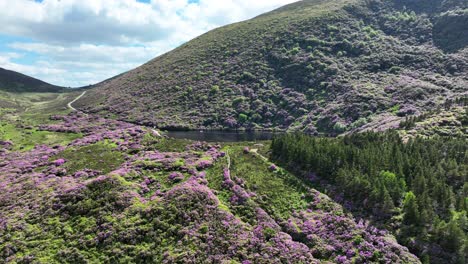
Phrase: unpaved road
(76, 99)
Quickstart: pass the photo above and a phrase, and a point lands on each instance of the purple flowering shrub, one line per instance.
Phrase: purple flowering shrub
(176, 176)
(220, 236)
(104, 193)
(6, 145)
(313, 73)
(59, 162)
(273, 167)
(169, 201)
(339, 237)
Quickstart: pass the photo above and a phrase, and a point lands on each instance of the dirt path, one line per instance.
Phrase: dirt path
(255, 152)
(228, 160)
(76, 99)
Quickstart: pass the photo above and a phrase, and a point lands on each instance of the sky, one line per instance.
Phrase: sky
(75, 43)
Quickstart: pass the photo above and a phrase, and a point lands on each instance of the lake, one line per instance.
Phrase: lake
(222, 136)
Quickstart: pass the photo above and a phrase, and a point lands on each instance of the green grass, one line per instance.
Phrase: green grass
(101, 156)
(26, 139)
(35, 107)
(166, 144)
(30, 110)
(162, 177)
(395, 109)
(278, 193)
(214, 176)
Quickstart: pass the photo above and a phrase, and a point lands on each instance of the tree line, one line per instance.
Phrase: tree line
(418, 189)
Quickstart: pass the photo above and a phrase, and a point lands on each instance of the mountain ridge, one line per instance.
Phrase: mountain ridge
(314, 66)
(11, 81)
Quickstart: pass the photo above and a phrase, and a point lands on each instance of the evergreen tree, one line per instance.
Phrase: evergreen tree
(387, 206)
(454, 239)
(410, 210)
(374, 171)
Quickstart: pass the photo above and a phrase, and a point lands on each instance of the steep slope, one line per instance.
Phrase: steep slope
(326, 66)
(11, 81)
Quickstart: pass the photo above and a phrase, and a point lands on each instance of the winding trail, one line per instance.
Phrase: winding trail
(228, 160)
(76, 99)
(255, 152)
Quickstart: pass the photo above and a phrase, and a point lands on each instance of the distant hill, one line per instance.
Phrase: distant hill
(316, 66)
(11, 81)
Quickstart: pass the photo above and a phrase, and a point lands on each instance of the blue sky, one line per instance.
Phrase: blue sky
(79, 42)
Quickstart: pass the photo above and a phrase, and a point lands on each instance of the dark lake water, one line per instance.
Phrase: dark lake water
(222, 136)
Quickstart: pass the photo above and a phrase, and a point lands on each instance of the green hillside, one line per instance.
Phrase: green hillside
(11, 81)
(316, 66)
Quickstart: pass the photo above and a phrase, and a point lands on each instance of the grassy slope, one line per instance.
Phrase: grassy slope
(22, 112)
(279, 193)
(100, 156)
(313, 65)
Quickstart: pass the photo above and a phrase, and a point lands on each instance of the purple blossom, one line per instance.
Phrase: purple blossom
(341, 259)
(176, 176)
(59, 162)
(273, 167)
(203, 164)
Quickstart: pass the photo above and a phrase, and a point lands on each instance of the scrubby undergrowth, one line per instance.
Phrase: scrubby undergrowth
(159, 200)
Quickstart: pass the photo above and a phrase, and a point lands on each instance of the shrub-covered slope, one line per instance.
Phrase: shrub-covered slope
(327, 66)
(121, 193)
(11, 81)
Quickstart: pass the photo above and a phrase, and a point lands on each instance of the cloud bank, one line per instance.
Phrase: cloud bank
(80, 42)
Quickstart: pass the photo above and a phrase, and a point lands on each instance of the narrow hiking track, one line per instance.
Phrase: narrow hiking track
(255, 152)
(76, 99)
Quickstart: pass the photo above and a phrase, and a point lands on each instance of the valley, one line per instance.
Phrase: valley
(111, 174)
(156, 189)
(320, 132)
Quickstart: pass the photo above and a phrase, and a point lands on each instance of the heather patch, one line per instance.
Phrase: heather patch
(114, 196)
(315, 66)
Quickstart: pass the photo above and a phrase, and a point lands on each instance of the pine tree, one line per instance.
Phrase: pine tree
(454, 239)
(376, 170)
(388, 206)
(410, 210)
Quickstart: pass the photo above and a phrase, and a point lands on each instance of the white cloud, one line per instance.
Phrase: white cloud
(40, 69)
(89, 52)
(90, 40)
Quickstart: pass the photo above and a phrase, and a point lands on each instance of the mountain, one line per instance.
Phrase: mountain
(316, 66)
(11, 81)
